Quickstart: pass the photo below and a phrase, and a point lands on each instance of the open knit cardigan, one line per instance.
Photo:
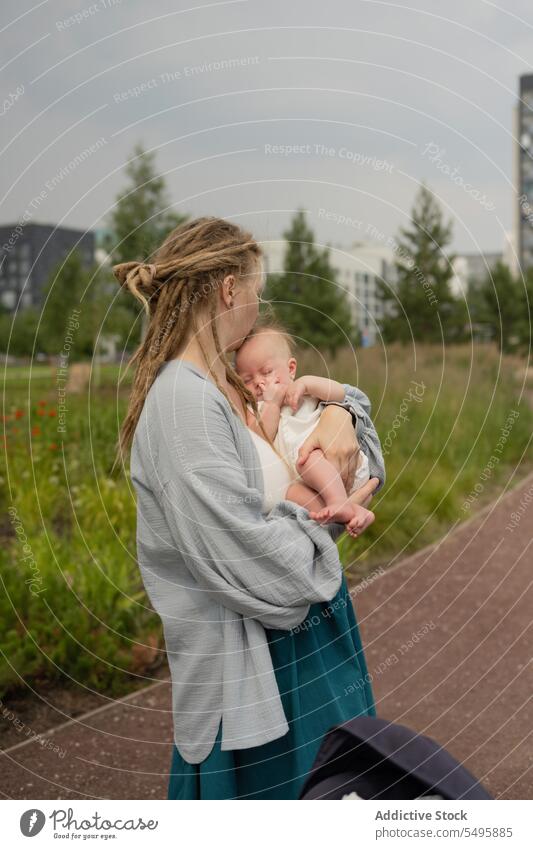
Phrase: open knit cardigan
(218, 571)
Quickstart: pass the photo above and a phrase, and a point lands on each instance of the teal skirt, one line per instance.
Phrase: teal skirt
(323, 680)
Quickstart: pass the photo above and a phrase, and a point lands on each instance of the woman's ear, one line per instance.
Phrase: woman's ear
(228, 290)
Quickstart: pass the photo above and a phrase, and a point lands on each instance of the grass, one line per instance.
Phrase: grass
(70, 531)
(71, 538)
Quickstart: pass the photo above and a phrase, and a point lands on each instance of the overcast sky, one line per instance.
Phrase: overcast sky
(378, 95)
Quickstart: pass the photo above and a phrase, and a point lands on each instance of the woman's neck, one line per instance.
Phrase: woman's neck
(192, 353)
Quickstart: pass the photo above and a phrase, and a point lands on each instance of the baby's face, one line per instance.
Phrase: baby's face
(264, 360)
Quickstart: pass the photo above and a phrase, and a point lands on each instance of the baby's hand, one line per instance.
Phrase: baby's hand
(275, 392)
(295, 392)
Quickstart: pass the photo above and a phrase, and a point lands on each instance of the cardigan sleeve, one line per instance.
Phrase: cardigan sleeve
(358, 404)
(266, 567)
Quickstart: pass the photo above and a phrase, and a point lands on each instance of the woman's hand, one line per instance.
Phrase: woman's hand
(335, 435)
(363, 496)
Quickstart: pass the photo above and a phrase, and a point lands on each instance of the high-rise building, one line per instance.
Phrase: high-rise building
(29, 253)
(523, 132)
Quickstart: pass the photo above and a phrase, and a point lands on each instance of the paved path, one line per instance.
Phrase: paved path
(448, 636)
(466, 678)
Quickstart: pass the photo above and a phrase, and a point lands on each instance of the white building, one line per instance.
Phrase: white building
(470, 270)
(357, 270)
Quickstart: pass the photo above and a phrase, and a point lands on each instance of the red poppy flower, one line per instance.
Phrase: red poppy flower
(36, 431)
(52, 413)
(41, 412)
(54, 446)
(18, 414)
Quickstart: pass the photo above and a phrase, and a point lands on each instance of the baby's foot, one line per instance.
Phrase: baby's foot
(343, 511)
(360, 521)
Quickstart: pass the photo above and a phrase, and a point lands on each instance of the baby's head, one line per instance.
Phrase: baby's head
(266, 356)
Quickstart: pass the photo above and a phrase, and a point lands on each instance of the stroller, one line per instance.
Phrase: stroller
(371, 758)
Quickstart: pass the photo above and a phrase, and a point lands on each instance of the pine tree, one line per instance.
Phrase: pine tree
(305, 296)
(421, 304)
(139, 223)
(141, 218)
(502, 305)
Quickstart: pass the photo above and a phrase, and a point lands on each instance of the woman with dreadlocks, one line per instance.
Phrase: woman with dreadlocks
(262, 642)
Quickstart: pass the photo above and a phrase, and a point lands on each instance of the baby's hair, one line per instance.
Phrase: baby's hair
(268, 322)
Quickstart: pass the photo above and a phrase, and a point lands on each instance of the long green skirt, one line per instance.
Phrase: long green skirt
(323, 681)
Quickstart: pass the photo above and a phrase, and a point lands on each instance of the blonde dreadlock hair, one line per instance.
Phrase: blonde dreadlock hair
(184, 276)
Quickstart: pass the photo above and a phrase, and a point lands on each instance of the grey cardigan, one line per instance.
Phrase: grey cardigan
(217, 571)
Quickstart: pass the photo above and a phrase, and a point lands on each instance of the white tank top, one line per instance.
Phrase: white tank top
(276, 476)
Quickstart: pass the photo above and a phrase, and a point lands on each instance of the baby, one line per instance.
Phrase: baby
(288, 409)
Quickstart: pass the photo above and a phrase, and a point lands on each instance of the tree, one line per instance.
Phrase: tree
(421, 304)
(305, 296)
(17, 332)
(503, 304)
(72, 287)
(141, 218)
(139, 223)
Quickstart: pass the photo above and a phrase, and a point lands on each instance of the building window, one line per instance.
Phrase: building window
(9, 299)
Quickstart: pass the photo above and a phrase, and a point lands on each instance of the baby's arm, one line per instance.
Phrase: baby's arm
(270, 416)
(273, 400)
(323, 388)
(320, 387)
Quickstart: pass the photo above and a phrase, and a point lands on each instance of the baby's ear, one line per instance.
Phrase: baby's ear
(293, 364)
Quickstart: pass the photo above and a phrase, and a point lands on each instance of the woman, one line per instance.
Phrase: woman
(262, 643)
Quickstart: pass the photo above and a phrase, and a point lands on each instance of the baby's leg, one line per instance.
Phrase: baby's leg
(304, 495)
(323, 477)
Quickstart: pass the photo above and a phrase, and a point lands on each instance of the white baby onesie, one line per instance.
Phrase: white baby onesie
(293, 430)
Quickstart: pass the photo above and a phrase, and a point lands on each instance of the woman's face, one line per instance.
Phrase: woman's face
(245, 307)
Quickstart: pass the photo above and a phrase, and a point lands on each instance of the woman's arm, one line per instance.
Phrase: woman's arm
(269, 568)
